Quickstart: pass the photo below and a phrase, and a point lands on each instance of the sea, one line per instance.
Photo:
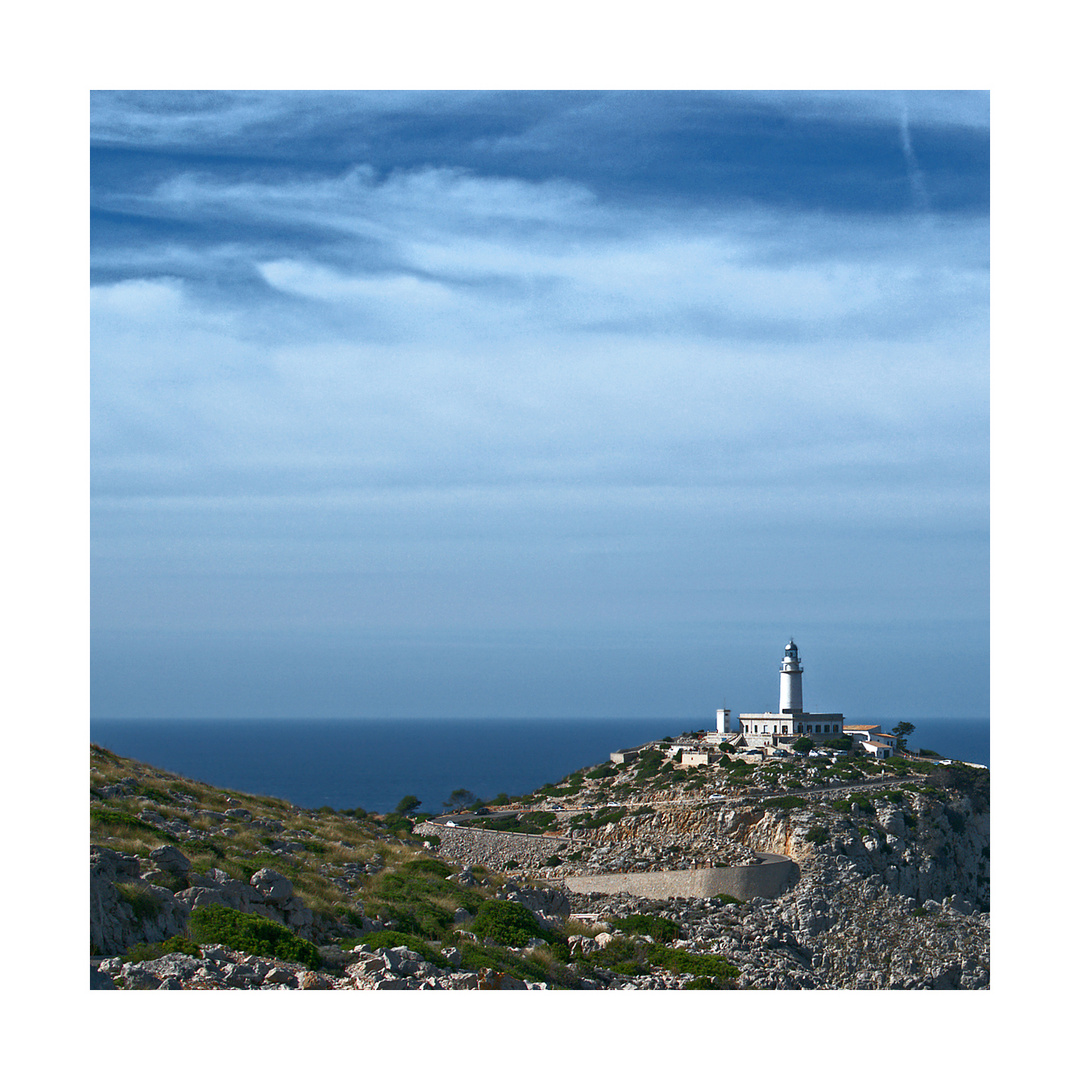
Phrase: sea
(373, 764)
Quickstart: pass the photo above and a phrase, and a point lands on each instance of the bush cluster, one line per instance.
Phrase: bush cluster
(251, 934)
(156, 951)
(418, 899)
(508, 923)
(785, 802)
(392, 939)
(656, 926)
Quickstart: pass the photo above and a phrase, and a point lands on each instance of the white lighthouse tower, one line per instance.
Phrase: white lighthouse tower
(791, 673)
(786, 726)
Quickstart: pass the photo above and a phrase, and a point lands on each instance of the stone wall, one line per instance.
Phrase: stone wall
(769, 878)
(495, 850)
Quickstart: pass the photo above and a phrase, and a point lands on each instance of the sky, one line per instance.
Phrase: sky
(552, 403)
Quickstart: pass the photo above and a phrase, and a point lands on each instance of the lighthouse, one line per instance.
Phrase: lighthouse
(785, 726)
(791, 680)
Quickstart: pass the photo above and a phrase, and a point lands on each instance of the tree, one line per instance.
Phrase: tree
(902, 731)
(802, 745)
(459, 799)
(407, 805)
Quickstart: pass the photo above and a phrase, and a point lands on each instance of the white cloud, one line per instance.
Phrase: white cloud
(507, 332)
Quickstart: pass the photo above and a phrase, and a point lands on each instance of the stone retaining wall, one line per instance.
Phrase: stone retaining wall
(769, 878)
(485, 847)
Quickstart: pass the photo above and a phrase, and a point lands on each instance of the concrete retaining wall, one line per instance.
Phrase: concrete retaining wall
(769, 878)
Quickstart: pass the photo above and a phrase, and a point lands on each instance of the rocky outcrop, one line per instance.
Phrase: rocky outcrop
(129, 905)
(922, 846)
(550, 906)
(850, 934)
(126, 906)
(218, 968)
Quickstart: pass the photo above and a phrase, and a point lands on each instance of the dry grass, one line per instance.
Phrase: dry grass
(337, 839)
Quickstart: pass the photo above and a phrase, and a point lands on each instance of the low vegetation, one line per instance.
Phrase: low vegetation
(254, 934)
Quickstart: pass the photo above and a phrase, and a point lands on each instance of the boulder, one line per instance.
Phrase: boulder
(271, 885)
(171, 860)
(281, 977)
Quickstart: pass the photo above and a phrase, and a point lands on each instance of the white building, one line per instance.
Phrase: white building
(790, 722)
(870, 739)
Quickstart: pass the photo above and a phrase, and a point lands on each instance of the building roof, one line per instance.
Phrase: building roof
(862, 727)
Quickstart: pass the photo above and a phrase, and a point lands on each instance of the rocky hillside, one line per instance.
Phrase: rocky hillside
(195, 887)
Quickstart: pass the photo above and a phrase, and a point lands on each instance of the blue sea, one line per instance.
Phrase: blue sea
(374, 763)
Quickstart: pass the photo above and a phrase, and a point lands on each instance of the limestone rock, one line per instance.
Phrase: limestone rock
(272, 885)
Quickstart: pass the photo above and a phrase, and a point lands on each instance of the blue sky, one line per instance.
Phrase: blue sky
(538, 404)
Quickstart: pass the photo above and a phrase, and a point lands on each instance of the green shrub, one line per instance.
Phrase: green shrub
(785, 802)
(107, 817)
(682, 962)
(392, 939)
(657, 927)
(156, 951)
(507, 923)
(859, 801)
(143, 903)
(649, 762)
(251, 934)
(418, 899)
(529, 966)
(602, 819)
(398, 823)
(817, 834)
(623, 955)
